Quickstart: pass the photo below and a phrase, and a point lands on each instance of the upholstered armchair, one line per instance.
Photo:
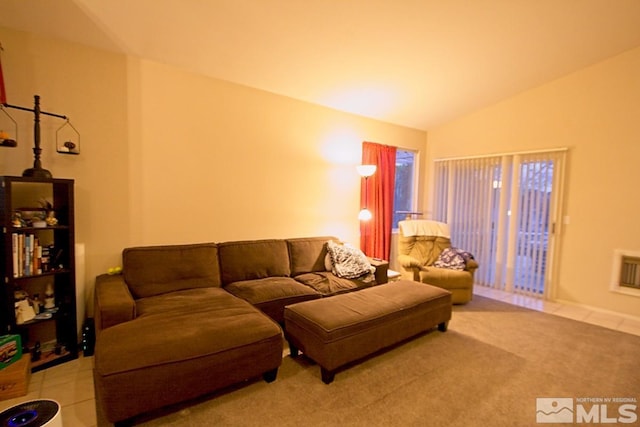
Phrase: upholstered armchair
(420, 246)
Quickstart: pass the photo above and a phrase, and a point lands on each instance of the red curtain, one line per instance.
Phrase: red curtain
(375, 234)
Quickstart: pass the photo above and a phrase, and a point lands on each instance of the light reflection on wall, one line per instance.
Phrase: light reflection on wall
(341, 148)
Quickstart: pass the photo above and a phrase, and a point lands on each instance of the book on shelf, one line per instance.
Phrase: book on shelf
(29, 256)
(15, 245)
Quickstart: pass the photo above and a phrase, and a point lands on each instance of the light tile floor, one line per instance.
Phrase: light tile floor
(628, 324)
(71, 384)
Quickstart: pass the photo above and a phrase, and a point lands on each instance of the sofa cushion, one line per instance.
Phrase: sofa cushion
(175, 303)
(308, 254)
(253, 259)
(180, 333)
(272, 294)
(447, 278)
(327, 283)
(155, 270)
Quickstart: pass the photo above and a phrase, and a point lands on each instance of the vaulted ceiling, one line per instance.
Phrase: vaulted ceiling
(415, 63)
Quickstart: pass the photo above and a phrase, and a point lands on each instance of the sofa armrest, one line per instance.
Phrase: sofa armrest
(472, 265)
(382, 268)
(409, 262)
(113, 303)
(411, 265)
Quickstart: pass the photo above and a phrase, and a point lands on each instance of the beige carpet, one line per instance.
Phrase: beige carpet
(488, 369)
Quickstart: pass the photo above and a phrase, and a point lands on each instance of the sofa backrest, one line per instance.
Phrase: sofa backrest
(253, 259)
(307, 254)
(154, 270)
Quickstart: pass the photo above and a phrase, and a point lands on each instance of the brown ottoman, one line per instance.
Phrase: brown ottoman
(341, 329)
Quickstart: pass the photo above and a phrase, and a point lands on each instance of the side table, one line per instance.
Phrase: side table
(393, 276)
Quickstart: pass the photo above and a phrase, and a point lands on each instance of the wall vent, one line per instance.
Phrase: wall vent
(630, 272)
(625, 275)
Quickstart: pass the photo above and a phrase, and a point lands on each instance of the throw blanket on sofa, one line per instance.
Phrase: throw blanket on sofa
(348, 262)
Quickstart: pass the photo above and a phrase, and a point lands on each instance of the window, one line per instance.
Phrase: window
(503, 209)
(404, 198)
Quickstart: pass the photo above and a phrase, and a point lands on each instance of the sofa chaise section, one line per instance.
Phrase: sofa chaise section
(172, 355)
(188, 338)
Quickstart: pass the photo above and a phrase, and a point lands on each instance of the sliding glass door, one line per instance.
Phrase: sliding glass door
(504, 209)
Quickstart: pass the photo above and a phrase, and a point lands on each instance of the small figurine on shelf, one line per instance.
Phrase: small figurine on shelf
(17, 220)
(20, 294)
(35, 302)
(50, 219)
(49, 297)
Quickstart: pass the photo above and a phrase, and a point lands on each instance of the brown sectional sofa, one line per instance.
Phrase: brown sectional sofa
(183, 321)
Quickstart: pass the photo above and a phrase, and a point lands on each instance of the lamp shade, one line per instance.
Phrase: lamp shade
(365, 215)
(366, 170)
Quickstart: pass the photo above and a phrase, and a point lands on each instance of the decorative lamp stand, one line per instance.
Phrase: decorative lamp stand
(62, 146)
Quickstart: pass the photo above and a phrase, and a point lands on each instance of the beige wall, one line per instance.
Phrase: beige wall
(595, 113)
(238, 163)
(173, 157)
(90, 87)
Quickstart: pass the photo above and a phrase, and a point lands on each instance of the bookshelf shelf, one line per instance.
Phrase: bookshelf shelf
(35, 262)
(37, 229)
(47, 273)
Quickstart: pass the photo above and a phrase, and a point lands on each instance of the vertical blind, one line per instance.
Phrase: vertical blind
(502, 209)
(465, 200)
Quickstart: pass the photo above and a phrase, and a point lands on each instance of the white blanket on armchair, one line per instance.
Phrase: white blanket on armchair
(424, 227)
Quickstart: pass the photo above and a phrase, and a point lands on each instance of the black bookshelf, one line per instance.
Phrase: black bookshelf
(38, 256)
